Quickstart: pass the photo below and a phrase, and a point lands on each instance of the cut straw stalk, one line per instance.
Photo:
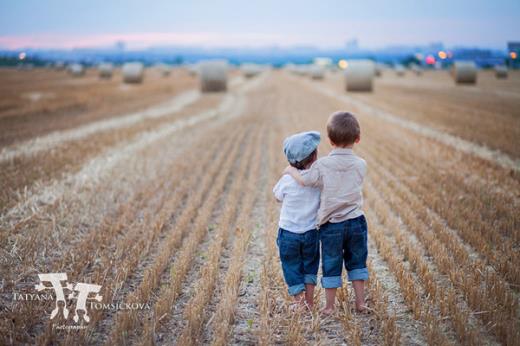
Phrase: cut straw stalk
(458, 314)
(400, 193)
(479, 293)
(412, 293)
(224, 313)
(194, 309)
(138, 238)
(127, 320)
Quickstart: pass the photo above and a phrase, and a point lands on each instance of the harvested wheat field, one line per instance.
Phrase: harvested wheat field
(162, 195)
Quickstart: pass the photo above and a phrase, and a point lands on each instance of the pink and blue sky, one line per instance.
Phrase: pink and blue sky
(234, 23)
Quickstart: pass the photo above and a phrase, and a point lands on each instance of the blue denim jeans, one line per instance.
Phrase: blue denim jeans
(344, 242)
(300, 257)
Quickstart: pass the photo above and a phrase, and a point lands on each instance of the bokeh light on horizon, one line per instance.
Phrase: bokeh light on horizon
(234, 23)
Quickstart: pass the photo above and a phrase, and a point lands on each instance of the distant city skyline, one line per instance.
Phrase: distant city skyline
(232, 23)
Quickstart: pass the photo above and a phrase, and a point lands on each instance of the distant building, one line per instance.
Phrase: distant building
(513, 47)
(513, 52)
(482, 57)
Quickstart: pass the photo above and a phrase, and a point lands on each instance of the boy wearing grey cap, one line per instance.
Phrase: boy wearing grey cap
(341, 222)
(298, 240)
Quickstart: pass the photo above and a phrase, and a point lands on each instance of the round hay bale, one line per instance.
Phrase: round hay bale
(501, 71)
(316, 72)
(213, 75)
(359, 75)
(105, 70)
(251, 70)
(399, 70)
(464, 72)
(76, 70)
(133, 72)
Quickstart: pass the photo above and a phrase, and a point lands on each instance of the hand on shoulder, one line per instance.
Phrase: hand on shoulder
(289, 170)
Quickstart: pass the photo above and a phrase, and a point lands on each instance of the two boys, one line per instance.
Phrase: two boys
(340, 223)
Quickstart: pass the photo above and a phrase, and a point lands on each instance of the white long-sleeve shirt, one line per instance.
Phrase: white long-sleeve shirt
(299, 205)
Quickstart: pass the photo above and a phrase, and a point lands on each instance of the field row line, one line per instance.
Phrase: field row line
(86, 244)
(193, 218)
(181, 205)
(480, 294)
(452, 239)
(224, 313)
(122, 262)
(416, 297)
(91, 173)
(386, 320)
(197, 235)
(138, 244)
(183, 260)
(148, 196)
(479, 183)
(270, 277)
(441, 292)
(481, 151)
(481, 232)
(204, 287)
(52, 140)
(95, 169)
(429, 84)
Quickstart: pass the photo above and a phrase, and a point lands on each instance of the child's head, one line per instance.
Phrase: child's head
(306, 162)
(301, 149)
(343, 129)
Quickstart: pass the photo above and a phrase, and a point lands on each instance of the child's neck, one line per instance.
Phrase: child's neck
(350, 146)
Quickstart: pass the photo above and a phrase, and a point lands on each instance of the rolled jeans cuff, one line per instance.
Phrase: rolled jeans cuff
(310, 279)
(296, 289)
(358, 274)
(331, 281)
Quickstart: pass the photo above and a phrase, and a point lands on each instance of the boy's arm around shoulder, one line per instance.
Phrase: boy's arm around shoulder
(309, 177)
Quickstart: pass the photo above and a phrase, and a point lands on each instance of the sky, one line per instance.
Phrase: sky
(239, 23)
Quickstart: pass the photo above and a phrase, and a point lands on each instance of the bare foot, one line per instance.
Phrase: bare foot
(308, 305)
(327, 311)
(361, 309)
